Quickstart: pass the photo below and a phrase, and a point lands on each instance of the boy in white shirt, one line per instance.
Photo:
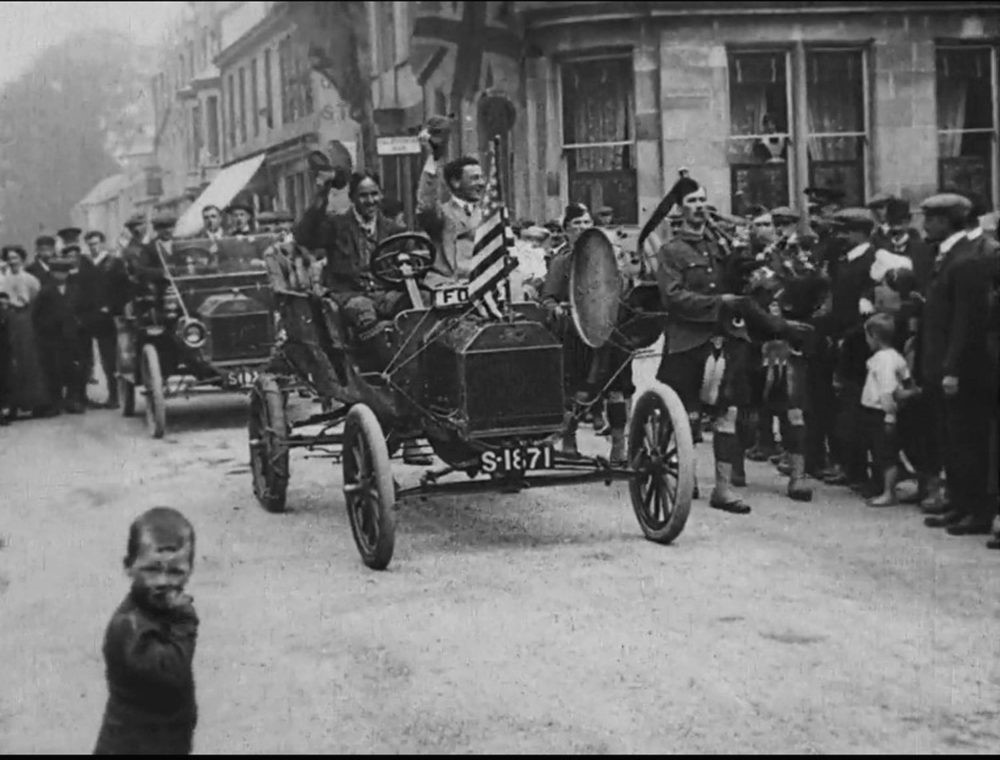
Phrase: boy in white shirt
(887, 373)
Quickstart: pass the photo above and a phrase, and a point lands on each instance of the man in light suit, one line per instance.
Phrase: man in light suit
(450, 223)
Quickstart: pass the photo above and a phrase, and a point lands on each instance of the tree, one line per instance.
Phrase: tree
(62, 121)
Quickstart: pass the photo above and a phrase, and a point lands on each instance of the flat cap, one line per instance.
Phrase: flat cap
(605, 210)
(45, 240)
(267, 217)
(897, 211)
(854, 218)
(879, 200)
(281, 216)
(61, 263)
(164, 220)
(784, 212)
(946, 202)
(136, 220)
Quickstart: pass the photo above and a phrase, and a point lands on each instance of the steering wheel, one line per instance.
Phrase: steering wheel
(402, 257)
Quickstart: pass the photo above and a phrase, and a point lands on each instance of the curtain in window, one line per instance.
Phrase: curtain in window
(598, 98)
(951, 100)
(834, 102)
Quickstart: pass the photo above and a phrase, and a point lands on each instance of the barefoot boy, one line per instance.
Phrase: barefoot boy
(149, 643)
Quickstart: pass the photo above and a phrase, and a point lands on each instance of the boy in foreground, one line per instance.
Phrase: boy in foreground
(149, 643)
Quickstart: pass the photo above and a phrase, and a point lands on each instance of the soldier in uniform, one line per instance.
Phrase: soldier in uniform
(955, 347)
(707, 355)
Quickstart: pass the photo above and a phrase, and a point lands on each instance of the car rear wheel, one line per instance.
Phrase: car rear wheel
(269, 433)
(368, 488)
(661, 451)
(152, 380)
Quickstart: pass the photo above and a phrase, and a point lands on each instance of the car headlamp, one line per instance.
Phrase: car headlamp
(192, 333)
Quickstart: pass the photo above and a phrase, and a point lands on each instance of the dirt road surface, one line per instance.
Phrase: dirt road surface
(540, 622)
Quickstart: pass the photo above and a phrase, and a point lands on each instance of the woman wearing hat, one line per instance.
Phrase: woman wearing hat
(27, 387)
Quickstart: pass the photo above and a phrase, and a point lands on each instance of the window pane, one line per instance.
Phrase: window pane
(838, 162)
(759, 185)
(964, 92)
(597, 101)
(835, 91)
(964, 163)
(758, 93)
(597, 106)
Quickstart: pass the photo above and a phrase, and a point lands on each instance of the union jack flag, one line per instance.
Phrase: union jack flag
(492, 262)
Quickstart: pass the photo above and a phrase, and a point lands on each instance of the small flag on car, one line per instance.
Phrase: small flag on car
(492, 262)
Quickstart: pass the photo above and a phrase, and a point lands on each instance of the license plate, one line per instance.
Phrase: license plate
(450, 298)
(244, 378)
(516, 459)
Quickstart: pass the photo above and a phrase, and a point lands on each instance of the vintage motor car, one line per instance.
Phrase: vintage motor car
(485, 390)
(211, 324)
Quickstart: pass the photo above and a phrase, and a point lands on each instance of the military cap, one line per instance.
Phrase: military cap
(534, 232)
(46, 240)
(784, 212)
(879, 200)
(854, 218)
(164, 220)
(69, 234)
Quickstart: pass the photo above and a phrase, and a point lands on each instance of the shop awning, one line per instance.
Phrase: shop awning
(226, 186)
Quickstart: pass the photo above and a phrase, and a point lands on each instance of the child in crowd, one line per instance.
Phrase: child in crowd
(887, 374)
(150, 641)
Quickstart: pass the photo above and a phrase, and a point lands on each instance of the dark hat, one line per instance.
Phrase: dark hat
(281, 216)
(605, 210)
(164, 220)
(69, 234)
(45, 240)
(239, 204)
(136, 220)
(267, 217)
(70, 248)
(683, 187)
(825, 194)
(879, 200)
(947, 203)
(859, 219)
(755, 210)
(897, 211)
(784, 212)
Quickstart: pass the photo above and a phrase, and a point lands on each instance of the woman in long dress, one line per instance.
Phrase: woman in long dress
(27, 387)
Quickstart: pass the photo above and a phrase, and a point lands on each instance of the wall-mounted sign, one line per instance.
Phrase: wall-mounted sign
(398, 146)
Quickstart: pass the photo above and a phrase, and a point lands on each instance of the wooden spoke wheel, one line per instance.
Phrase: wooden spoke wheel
(368, 487)
(661, 451)
(269, 431)
(152, 380)
(126, 395)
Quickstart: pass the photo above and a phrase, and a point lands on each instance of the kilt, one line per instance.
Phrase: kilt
(685, 371)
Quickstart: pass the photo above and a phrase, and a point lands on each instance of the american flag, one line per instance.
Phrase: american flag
(492, 262)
